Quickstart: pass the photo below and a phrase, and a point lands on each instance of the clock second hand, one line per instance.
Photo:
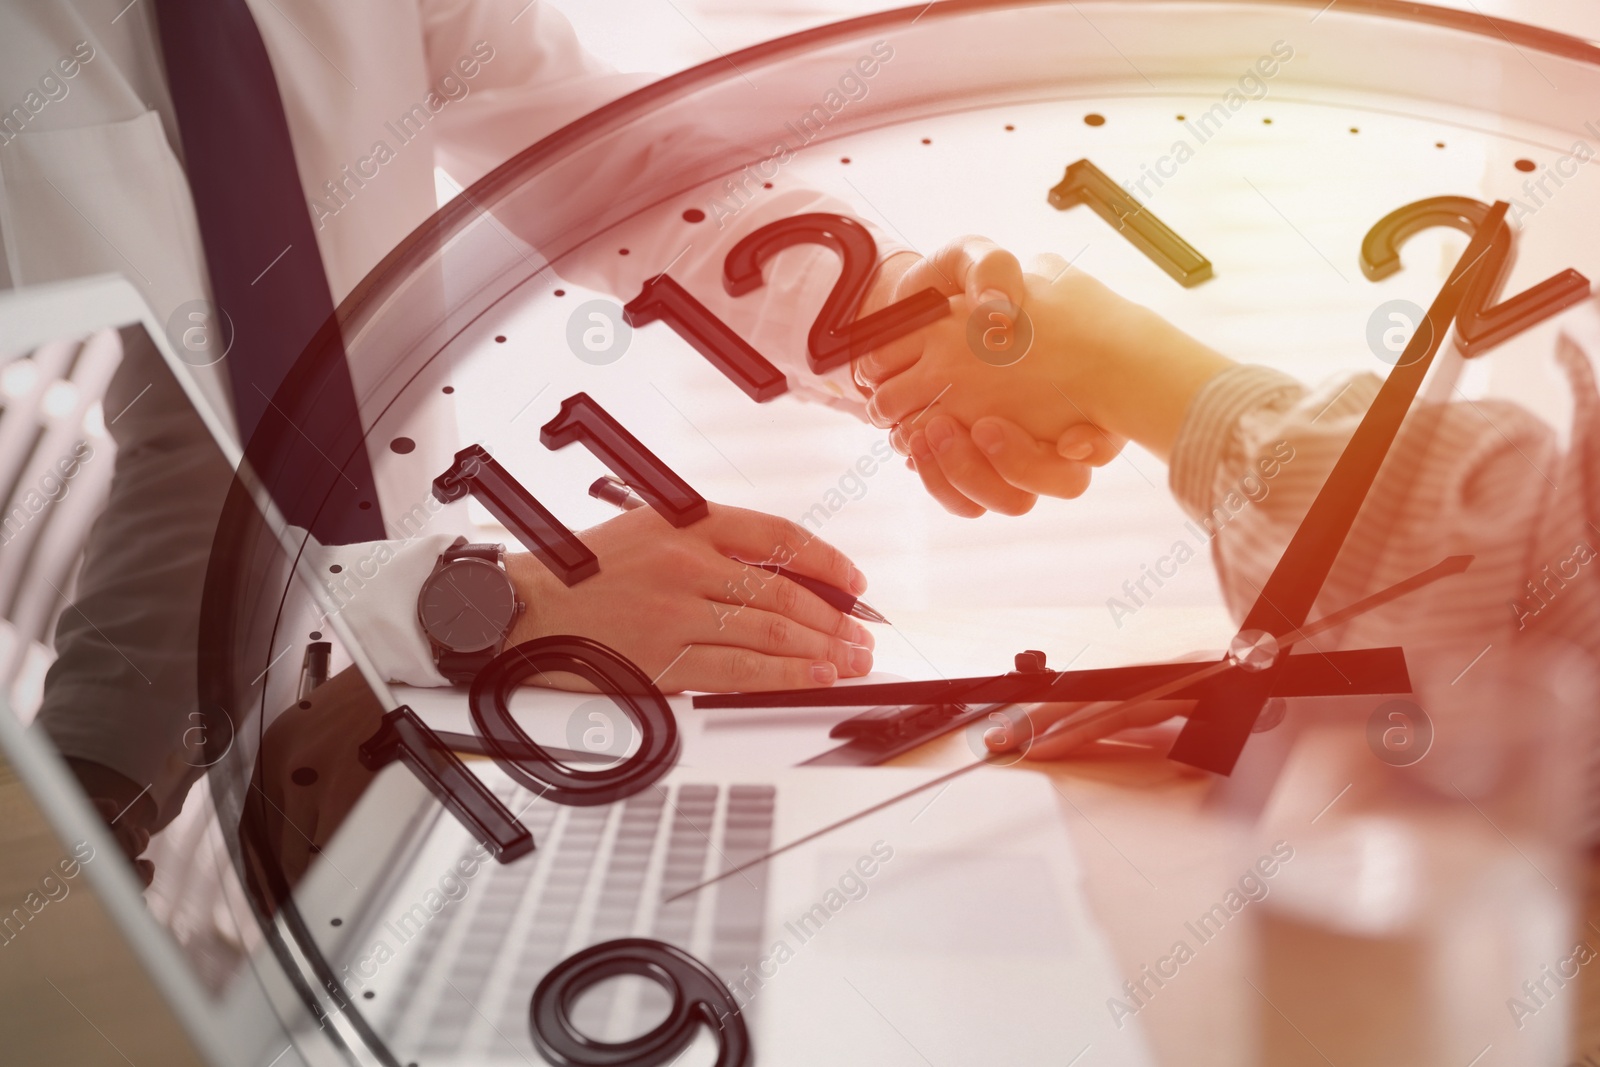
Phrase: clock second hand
(1446, 567)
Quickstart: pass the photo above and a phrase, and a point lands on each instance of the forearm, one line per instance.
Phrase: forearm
(1256, 448)
(1141, 380)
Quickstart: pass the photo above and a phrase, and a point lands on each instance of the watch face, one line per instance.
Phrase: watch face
(1236, 167)
(467, 605)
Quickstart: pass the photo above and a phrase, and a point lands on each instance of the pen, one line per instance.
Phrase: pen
(616, 492)
(314, 668)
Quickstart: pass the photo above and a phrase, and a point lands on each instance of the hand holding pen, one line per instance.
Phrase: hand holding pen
(615, 491)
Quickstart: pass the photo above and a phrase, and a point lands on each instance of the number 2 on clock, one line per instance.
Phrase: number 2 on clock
(1482, 323)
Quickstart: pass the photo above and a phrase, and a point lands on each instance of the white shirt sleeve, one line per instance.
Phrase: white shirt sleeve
(374, 592)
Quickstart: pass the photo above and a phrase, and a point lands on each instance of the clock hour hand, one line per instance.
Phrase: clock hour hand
(1367, 671)
(1244, 657)
(1361, 671)
(1219, 726)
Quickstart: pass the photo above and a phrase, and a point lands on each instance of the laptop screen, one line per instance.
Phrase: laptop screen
(237, 832)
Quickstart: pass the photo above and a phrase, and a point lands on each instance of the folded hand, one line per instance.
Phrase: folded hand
(937, 392)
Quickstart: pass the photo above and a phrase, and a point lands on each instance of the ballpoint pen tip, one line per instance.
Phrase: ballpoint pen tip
(868, 614)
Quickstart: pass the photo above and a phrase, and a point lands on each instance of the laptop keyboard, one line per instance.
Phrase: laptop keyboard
(597, 874)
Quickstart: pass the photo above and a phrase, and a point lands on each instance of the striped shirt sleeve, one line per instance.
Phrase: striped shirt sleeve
(1482, 477)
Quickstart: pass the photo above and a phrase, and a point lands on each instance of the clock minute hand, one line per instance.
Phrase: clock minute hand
(1242, 662)
(1217, 731)
(1365, 670)
(1362, 671)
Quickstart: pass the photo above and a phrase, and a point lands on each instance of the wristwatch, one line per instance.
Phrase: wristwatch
(467, 607)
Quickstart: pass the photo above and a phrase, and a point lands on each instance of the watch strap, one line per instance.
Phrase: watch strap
(462, 549)
(461, 667)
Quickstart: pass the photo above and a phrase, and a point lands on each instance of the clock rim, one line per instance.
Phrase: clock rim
(433, 234)
(462, 211)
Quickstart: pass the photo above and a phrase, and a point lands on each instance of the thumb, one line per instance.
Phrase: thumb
(1088, 444)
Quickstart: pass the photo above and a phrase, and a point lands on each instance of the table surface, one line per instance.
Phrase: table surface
(1125, 817)
(1158, 841)
(1161, 842)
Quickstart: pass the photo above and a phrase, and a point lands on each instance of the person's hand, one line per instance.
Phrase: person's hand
(1002, 469)
(1097, 363)
(1076, 321)
(998, 466)
(126, 808)
(1037, 731)
(694, 609)
(1042, 732)
(309, 774)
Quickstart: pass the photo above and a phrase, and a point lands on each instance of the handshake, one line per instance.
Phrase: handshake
(990, 421)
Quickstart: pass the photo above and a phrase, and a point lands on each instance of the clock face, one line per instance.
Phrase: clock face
(1258, 144)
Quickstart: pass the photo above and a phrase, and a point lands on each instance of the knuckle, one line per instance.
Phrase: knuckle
(678, 555)
(796, 674)
(786, 595)
(779, 631)
(959, 465)
(744, 667)
(779, 532)
(1076, 486)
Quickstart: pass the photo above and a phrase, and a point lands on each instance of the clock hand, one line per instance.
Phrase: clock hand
(1216, 733)
(1355, 671)
(1245, 659)
(1370, 664)
(1443, 569)
(466, 603)
(846, 821)
(1359, 672)
(1257, 653)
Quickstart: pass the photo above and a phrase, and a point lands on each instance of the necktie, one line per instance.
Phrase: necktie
(300, 423)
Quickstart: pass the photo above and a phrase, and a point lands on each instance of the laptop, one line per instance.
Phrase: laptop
(950, 927)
